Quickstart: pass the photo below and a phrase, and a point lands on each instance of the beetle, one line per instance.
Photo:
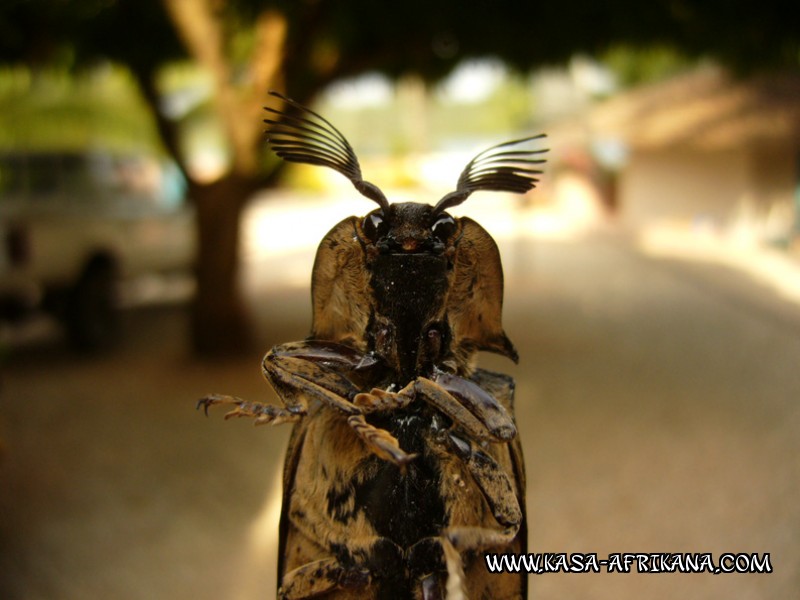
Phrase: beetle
(404, 466)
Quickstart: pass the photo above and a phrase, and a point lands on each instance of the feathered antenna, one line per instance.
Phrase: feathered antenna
(303, 136)
(500, 169)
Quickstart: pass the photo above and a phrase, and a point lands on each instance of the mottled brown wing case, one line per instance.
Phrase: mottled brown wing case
(323, 453)
(289, 474)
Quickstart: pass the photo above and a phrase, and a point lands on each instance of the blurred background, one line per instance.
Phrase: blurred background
(152, 250)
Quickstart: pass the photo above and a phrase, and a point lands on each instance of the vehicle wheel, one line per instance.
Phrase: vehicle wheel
(92, 313)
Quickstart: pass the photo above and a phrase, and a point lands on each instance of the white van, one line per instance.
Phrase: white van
(73, 225)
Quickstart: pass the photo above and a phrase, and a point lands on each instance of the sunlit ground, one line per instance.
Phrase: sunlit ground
(281, 234)
(259, 548)
(774, 268)
(655, 417)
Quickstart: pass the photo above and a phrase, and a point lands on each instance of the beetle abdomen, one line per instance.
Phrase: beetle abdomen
(404, 505)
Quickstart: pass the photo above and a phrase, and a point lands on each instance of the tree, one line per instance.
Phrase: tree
(301, 46)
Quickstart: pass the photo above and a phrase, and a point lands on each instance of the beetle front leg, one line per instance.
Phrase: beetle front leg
(314, 370)
(380, 400)
(382, 443)
(474, 410)
(330, 361)
(481, 403)
(262, 413)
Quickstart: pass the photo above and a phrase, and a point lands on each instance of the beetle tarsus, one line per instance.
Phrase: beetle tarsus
(380, 441)
(262, 413)
(381, 400)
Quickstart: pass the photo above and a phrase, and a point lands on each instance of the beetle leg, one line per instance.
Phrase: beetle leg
(289, 375)
(499, 492)
(379, 441)
(322, 361)
(381, 400)
(262, 413)
(320, 577)
(438, 397)
(492, 479)
(455, 571)
(294, 368)
(431, 587)
(431, 558)
(437, 565)
(483, 405)
(475, 411)
(314, 369)
(429, 555)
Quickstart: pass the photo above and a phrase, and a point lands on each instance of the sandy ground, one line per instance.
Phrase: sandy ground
(657, 403)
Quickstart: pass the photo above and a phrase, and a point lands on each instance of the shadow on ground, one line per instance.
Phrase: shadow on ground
(657, 403)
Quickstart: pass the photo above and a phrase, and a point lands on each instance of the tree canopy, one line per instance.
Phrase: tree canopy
(337, 39)
(301, 46)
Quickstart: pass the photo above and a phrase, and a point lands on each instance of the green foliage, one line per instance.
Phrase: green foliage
(427, 38)
(638, 66)
(55, 110)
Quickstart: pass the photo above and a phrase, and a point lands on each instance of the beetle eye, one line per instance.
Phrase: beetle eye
(443, 227)
(374, 226)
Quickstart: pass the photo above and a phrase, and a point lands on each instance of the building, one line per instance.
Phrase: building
(708, 149)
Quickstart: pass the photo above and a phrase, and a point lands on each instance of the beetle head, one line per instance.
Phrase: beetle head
(416, 291)
(409, 228)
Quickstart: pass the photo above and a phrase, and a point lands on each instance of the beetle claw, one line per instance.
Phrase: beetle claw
(236, 412)
(214, 399)
(379, 441)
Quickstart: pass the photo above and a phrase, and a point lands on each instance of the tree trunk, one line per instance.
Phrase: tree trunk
(219, 320)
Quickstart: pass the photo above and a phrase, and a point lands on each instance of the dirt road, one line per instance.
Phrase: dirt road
(658, 404)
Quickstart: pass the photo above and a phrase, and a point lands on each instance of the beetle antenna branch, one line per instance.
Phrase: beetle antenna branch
(298, 134)
(506, 167)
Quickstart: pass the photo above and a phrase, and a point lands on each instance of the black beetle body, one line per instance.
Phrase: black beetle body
(404, 466)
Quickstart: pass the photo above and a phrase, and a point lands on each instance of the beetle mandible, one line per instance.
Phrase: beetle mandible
(404, 465)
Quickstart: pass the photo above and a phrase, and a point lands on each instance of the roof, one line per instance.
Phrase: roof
(706, 108)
